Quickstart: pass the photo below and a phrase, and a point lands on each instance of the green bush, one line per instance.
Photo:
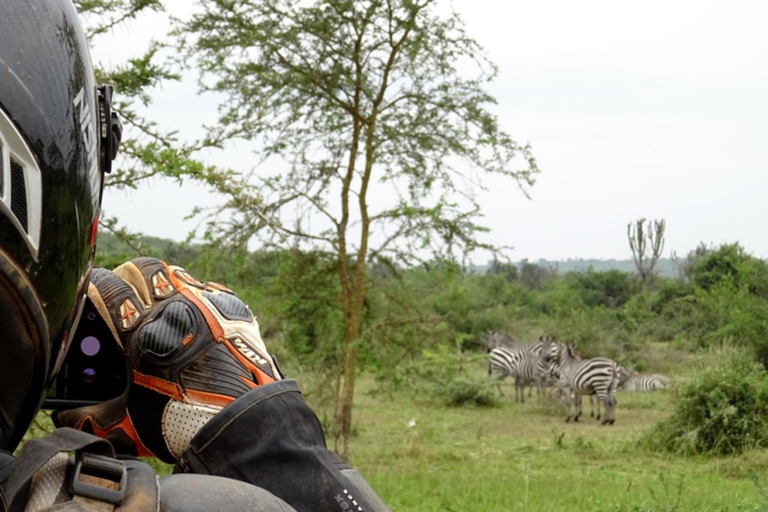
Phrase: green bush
(729, 314)
(669, 292)
(469, 392)
(610, 289)
(443, 374)
(731, 263)
(723, 411)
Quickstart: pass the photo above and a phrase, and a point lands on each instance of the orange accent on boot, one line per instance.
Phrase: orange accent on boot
(261, 377)
(158, 385)
(126, 425)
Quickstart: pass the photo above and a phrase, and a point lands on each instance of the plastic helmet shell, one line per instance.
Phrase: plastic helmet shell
(50, 191)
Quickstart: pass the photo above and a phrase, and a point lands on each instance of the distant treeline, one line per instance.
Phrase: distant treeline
(110, 246)
(665, 267)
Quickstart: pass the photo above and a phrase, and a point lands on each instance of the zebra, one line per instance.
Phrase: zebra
(539, 367)
(505, 361)
(624, 376)
(646, 383)
(598, 376)
(532, 371)
(497, 339)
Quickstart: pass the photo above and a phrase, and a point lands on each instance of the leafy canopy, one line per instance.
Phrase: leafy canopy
(358, 97)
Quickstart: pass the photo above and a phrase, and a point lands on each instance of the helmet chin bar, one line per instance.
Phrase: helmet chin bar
(24, 363)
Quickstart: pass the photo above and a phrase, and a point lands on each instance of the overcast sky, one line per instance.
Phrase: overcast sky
(652, 109)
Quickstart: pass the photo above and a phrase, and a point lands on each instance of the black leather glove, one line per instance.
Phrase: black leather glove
(192, 348)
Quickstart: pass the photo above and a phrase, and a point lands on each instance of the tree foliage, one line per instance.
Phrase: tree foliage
(684, 266)
(351, 94)
(610, 289)
(731, 263)
(379, 113)
(148, 150)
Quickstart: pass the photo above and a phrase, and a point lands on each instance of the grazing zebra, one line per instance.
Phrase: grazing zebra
(624, 377)
(505, 360)
(598, 376)
(646, 383)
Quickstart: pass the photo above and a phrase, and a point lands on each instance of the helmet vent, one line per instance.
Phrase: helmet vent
(21, 184)
(19, 194)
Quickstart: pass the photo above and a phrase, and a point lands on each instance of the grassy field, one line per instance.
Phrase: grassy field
(524, 457)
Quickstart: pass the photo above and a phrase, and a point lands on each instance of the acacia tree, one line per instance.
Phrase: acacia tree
(377, 111)
(147, 150)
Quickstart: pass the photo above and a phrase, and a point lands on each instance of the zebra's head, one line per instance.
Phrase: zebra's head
(571, 351)
(497, 339)
(550, 350)
(624, 374)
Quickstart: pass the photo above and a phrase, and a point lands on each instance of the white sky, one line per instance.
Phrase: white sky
(655, 109)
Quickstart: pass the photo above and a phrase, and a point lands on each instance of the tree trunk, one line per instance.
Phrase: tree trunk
(344, 419)
(352, 326)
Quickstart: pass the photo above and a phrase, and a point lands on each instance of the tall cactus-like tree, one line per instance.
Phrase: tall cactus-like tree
(647, 244)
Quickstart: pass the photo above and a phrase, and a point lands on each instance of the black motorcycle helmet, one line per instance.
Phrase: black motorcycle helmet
(57, 138)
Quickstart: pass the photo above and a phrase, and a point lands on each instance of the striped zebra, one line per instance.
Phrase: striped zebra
(535, 368)
(497, 339)
(624, 376)
(598, 376)
(505, 360)
(646, 383)
(503, 363)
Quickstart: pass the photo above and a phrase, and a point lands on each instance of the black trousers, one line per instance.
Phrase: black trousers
(265, 452)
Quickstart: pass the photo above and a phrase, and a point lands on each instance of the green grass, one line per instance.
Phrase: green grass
(524, 457)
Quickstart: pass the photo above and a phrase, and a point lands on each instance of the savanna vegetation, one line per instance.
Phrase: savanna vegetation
(430, 431)
(385, 101)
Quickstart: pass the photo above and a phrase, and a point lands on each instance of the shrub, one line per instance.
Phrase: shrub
(723, 411)
(469, 392)
(731, 263)
(443, 374)
(727, 314)
(669, 292)
(610, 289)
